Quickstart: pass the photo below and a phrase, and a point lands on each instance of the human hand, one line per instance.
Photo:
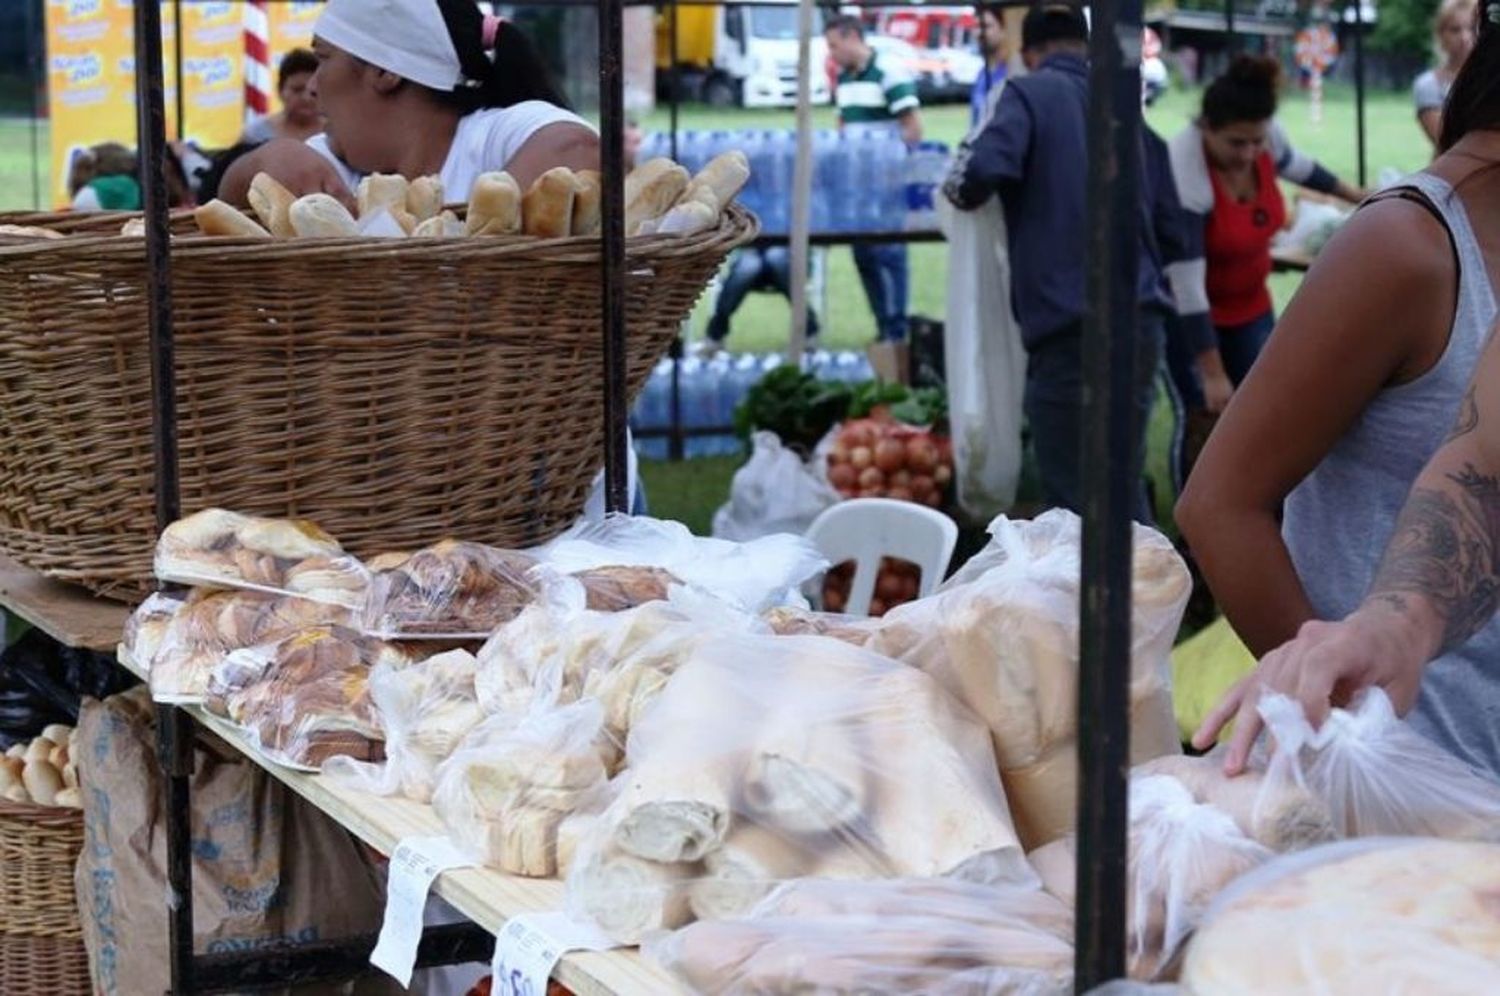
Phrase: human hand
(1323, 667)
(1217, 390)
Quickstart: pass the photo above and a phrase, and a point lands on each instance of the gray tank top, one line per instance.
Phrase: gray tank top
(1339, 519)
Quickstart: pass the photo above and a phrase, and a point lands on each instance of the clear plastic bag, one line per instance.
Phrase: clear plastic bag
(506, 793)
(1002, 636)
(856, 631)
(891, 937)
(1282, 817)
(776, 491)
(769, 758)
(451, 591)
(1372, 917)
(754, 575)
(425, 711)
(1375, 774)
(218, 548)
(147, 626)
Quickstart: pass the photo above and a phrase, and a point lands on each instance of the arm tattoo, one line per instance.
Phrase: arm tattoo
(1468, 417)
(1446, 548)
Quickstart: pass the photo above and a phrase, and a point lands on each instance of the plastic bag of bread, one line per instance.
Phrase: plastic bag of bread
(788, 620)
(1002, 636)
(504, 795)
(147, 627)
(768, 758)
(451, 591)
(219, 548)
(306, 698)
(892, 937)
(1284, 816)
(754, 576)
(1375, 774)
(1375, 917)
(425, 711)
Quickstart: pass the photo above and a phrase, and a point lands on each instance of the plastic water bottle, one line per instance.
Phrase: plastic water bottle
(780, 149)
(824, 185)
(721, 390)
(653, 410)
(926, 167)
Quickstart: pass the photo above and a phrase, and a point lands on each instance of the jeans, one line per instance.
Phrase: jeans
(754, 269)
(883, 271)
(1239, 347)
(1054, 411)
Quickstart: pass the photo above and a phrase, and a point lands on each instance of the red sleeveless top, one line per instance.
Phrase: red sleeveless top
(1237, 247)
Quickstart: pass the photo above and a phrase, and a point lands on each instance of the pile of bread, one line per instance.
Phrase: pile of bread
(42, 772)
(660, 199)
(28, 232)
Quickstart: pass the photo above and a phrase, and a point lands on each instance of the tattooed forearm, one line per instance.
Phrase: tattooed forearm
(1468, 417)
(1446, 549)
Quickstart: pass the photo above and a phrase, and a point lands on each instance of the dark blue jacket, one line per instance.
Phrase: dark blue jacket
(1034, 153)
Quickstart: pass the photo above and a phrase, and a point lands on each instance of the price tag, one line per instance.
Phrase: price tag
(415, 865)
(529, 947)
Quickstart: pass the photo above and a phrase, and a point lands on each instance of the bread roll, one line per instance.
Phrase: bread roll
(424, 198)
(72, 798)
(628, 897)
(725, 175)
(135, 228)
(39, 749)
(16, 751)
(494, 205)
(1056, 864)
(59, 757)
(218, 218)
(16, 793)
(272, 203)
(381, 190)
(547, 208)
(10, 774)
(586, 202)
(42, 782)
(321, 216)
(30, 232)
(650, 191)
(445, 226)
(70, 775)
(58, 733)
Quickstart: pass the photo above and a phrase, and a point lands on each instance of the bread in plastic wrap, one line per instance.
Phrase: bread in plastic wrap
(451, 590)
(797, 756)
(216, 547)
(1283, 817)
(146, 628)
(1374, 917)
(791, 621)
(614, 588)
(1375, 774)
(890, 937)
(426, 710)
(1002, 636)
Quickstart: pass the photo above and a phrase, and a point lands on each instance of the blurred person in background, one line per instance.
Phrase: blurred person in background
(751, 269)
(873, 95)
(298, 117)
(105, 177)
(992, 49)
(1453, 38)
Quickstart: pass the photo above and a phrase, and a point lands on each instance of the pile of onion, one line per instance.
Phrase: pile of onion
(874, 458)
(896, 584)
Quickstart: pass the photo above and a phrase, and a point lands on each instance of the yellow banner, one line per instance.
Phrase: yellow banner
(291, 27)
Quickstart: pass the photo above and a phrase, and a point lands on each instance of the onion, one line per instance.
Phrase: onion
(858, 433)
(921, 455)
(900, 479)
(921, 487)
(834, 600)
(839, 453)
(861, 457)
(942, 474)
(935, 500)
(843, 476)
(899, 494)
(877, 607)
(890, 455)
(889, 586)
(871, 479)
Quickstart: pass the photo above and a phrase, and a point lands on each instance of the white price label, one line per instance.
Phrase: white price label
(529, 947)
(415, 865)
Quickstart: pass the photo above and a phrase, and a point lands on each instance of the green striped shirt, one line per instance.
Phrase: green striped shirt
(875, 94)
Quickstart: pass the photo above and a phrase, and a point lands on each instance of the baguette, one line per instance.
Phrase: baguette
(322, 216)
(547, 208)
(444, 226)
(650, 191)
(272, 203)
(218, 218)
(494, 205)
(381, 190)
(726, 175)
(586, 202)
(687, 219)
(72, 798)
(424, 198)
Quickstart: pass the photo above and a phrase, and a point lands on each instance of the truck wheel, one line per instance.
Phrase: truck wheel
(720, 91)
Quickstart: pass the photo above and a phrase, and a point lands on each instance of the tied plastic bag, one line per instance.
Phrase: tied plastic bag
(770, 758)
(754, 575)
(1002, 637)
(890, 937)
(450, 591)
(505, 795)
(1375, 774)
(218, 548)
(986, 373)
(425, 711)
(774, 492)
(1375, 917)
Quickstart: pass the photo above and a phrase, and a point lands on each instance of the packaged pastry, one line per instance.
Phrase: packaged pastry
(451, 591)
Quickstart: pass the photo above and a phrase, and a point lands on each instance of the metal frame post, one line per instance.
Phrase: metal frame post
(612, 147)
(1110, 484)
(181, 92)
(34, 63)
(1232, 41)
(1359, 86)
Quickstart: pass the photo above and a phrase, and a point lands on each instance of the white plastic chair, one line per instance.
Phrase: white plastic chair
(865, 530)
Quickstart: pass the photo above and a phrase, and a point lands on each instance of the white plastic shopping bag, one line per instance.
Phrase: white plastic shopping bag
(774, 492)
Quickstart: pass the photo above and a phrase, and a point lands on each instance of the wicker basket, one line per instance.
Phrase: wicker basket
(41, 943)
(395, 391)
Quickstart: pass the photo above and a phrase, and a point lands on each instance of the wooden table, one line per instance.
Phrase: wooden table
(67, 613)
(485, 896)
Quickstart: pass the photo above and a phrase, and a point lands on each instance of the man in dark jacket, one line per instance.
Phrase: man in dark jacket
(1034, 154)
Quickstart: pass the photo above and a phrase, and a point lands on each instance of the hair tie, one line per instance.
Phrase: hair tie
(492, 29)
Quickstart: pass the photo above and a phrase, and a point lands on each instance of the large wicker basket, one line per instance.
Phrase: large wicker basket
(395, 391)
(41, 943)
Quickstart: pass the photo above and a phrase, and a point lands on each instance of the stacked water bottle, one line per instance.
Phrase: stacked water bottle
(710, 390)
(863, 181)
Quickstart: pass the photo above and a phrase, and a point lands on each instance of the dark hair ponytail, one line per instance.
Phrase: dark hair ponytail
(513, 73)
(1474, 101)
(1246, 92)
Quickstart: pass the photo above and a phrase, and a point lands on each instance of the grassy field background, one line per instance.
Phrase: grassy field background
(691, 490)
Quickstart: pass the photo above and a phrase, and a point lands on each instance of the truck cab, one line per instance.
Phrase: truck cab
(741, 56)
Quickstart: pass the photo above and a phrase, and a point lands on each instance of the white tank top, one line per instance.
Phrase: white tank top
(485, 140)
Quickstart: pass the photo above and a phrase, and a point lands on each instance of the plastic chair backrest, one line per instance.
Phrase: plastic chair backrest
(865, 530)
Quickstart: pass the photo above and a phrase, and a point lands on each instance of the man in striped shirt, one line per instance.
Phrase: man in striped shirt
(873, 95)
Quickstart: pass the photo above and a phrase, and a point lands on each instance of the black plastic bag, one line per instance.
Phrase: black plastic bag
(44, 682)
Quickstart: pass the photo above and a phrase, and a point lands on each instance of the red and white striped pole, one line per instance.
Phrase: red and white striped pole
(257, 29)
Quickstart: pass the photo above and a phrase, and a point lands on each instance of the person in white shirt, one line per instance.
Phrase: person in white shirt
(421, 87)
(1453, 32)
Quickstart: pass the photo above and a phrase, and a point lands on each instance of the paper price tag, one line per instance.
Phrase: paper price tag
(415, 865)
(529, 947)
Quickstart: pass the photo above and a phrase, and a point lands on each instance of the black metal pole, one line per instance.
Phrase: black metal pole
(34, 79)
(676, 448)
(177, 61)
(612, 145)
(675, 75)
(1109, 486)
(1359, 85)
(1231, 40)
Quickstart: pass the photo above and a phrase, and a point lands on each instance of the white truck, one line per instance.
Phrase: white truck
(744, 56)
